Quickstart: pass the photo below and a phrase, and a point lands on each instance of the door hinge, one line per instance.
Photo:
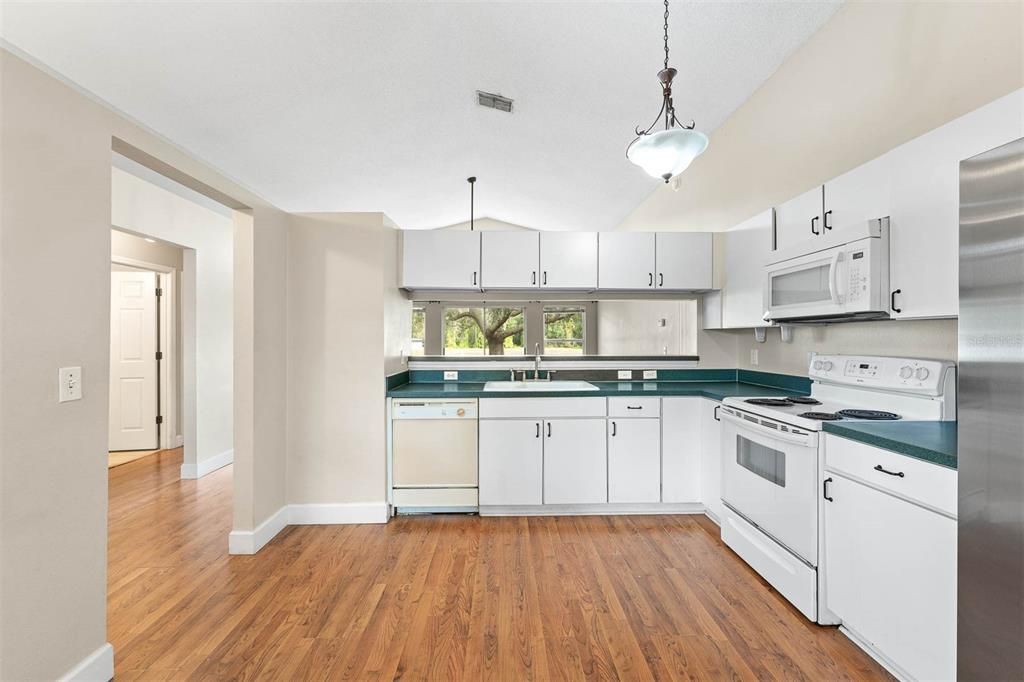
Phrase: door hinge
(159, 291)
(159, 355)
(159, 419)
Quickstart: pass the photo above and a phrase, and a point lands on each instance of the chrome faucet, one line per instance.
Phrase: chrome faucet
(536, 362)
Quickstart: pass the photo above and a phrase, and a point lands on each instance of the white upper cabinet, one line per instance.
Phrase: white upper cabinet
(440, 259)
(510, 260)
(741, 298)
(627, 260)
(568, 260)
(925, 221)
(858, 195)
(799, 219)
(683, 260)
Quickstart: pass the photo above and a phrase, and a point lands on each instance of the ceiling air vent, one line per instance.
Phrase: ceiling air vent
(492, 101)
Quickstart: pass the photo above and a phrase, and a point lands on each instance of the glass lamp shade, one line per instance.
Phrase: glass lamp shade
(667, 153)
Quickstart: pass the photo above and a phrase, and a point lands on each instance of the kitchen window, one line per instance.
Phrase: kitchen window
(490, 330)
(564, 330)
(417, 346)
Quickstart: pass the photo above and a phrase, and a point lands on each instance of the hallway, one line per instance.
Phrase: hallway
(441, 597)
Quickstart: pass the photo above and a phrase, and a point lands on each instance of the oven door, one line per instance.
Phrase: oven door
(808, 286)
(770, 477)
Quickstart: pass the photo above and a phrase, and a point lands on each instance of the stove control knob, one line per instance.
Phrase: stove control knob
(817, 364)
(922, 373)
(906, 371)
(827, 365)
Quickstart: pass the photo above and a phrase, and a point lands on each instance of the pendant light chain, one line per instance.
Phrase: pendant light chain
(666, 34)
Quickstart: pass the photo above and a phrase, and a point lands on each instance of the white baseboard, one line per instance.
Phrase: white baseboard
(252, 541)
(208, 465)
(652, 508)
(326, 514)
(96, 667)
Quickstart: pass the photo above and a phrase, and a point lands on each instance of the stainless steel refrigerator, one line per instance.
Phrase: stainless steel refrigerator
(990, 594)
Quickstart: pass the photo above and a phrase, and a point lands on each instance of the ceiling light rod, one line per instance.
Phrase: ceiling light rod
(472, 184)
(668, 152)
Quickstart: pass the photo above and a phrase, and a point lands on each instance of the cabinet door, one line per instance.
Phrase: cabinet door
(575, 461)
(857, 196)
(799, 219)
(680, 449)
(634, 460)
(747, 247)
(684, 260)
(925, 218)
(711, 453)
(511, 461)
(626, 260)
(568, 260)
(440, 259)
(509, 260)
(890, 573)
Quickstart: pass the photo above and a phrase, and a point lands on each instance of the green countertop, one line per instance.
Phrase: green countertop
(716, 390)
(929, 441)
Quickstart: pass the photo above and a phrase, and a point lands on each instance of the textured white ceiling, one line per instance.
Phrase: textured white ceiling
(371, 106)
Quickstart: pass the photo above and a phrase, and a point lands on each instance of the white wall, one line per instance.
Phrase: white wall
(651, 327)
(142, 207)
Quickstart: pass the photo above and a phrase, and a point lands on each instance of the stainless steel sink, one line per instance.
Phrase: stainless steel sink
(539, 385)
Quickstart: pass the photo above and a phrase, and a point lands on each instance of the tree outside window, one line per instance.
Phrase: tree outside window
(484, 331)
(564, 330)
(419, 331)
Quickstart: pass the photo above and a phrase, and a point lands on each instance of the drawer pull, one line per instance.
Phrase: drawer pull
(634, 407)
(878, 467)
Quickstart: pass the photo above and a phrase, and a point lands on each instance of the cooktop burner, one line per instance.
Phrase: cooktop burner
(803, 400)
(820, 416)
(868, 414)
(772, 402)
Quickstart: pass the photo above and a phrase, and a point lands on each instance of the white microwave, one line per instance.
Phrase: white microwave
(846, 281)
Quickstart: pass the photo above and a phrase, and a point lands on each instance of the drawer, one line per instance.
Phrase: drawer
(634, 407)
(541, 408)
(929, 484)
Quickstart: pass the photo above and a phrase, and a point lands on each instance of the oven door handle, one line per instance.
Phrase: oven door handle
(764, 430)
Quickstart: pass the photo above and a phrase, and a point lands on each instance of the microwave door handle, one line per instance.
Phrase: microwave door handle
(833, 278)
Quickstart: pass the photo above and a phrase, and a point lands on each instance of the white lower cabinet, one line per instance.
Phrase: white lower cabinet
(634, 460)
(711, 457)
(575, 461)
(511, 462)
(891, 576)
(680, 449)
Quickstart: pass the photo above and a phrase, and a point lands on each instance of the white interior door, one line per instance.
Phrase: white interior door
(133, 366)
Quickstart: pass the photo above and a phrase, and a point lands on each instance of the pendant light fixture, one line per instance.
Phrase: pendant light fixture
(666, 153)
(472, 212)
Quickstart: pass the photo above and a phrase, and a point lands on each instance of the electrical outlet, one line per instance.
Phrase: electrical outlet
(650, 374)
(451, 375)
(69, 383)
(625, 374)
(753, 357)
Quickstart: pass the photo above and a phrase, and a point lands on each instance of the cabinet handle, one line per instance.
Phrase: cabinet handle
(826, 223)
(549, 429)
(715, 413)
(878, 467)
(533, 277)
(661, 279)
(544, 281)
(824, 489)
(813, 220)
(634, 407)
(650, 279)
(615, 429)
(892, 300)
(474, 278)
(537, 435)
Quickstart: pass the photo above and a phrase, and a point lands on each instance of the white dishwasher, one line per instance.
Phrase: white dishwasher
(434, 455)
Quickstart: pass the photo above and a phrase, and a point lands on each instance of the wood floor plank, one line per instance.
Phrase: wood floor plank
(441, 597)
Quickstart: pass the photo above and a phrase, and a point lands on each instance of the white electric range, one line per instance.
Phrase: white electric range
(772, 459)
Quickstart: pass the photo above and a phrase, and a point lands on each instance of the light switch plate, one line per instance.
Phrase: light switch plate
(650, 374)
(625, 374)
(69, 383)
(451, 375)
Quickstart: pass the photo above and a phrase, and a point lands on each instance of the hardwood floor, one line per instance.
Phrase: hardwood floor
(442, 598)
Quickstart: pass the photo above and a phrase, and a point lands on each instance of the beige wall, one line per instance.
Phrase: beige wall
(653, 327)
(341, 283)
(876, 75)
(55, 218)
